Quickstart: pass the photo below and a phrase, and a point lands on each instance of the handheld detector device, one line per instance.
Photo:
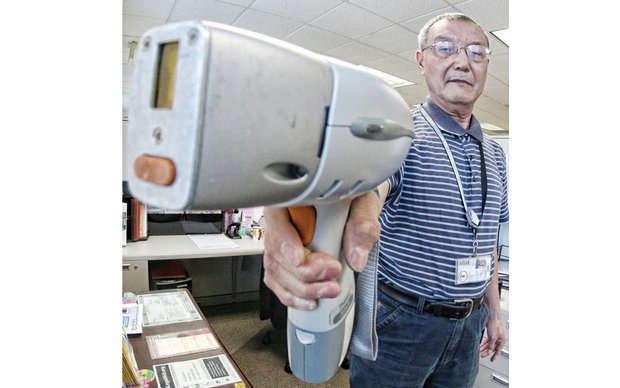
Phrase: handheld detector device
(224, 118)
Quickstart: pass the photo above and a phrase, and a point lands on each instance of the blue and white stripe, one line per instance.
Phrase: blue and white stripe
(423, 225)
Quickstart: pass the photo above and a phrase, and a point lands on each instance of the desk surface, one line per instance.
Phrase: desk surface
(182, 247)
(143, 356)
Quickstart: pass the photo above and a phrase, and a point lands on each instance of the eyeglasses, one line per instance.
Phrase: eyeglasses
(475, 52)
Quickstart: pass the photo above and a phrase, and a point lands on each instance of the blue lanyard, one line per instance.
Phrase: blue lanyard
(472, 217)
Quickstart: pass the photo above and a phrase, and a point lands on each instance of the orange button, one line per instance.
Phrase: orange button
(304, 219)
(155, 169)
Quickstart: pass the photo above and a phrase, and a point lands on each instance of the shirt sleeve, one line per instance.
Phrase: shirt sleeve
(503, 213)
(395, 181)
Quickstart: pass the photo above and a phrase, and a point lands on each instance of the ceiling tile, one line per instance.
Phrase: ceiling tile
(243, 3)
(493, 82)
(211, 10)
(158, 9)
(357, 31)
(485, 116)
(497, 46)
(413, 94)
(400, 10)
(413, 76)
(316, 39)
(502, 77)
(490, 105)
(394, 39)
(392, 64)
(409, 54)
(488, 117)
(265, 23)
(492, 14)
(357, 53)
(137, 25)
(499, 94)
(302, 11)
(415, 24)
(350, 21)
(455, 1)
(498, 63)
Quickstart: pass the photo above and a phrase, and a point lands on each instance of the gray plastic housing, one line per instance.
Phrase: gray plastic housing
(257, 121)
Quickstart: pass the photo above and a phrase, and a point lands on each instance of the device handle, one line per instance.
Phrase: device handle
(318, 340)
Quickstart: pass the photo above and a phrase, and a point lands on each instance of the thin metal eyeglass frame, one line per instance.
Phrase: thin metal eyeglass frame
(458, 50)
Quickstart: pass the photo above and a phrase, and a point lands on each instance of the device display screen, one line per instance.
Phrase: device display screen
(166, 75)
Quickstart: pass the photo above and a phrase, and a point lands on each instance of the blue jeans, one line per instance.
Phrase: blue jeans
(418, 349)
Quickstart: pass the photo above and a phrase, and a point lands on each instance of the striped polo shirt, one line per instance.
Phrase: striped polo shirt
(424, 229)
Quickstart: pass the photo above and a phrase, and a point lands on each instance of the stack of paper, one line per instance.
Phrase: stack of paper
(212, 241)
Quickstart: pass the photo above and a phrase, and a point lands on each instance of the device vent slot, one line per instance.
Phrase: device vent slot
(331, 190)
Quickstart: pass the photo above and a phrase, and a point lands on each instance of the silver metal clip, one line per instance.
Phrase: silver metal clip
(471, 306)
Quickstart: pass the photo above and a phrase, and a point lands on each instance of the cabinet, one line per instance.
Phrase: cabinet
(495, 374)
(219, 276)
(489, 378)
(211, 280)
(135, 276)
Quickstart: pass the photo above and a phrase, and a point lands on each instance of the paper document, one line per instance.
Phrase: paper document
(200, 373)
(168, 307)
(212, 241)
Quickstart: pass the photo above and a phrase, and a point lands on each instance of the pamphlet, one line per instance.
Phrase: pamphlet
(179, 343)
(132, 318)
(206, 372)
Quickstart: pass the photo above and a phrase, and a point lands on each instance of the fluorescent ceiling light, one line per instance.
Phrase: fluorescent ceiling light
(503, 35)
(492, 128)
(391, 80)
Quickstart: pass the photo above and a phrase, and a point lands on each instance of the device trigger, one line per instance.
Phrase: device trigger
(304, 219)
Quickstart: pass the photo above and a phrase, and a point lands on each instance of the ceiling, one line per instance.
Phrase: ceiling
(381, 34)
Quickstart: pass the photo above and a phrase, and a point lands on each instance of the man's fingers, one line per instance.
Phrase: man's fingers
(360, 236)
(296, 286)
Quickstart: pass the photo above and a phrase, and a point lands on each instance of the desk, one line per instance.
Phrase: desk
(136, 256)
(143, 355)
(182, 247)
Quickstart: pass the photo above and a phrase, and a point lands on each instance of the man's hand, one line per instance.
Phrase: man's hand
(493, 344)
(297, 276)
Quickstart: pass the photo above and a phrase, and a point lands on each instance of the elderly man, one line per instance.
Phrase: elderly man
(437, 220)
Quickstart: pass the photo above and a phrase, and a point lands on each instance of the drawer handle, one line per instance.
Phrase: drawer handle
(498, 379)
(505, 353)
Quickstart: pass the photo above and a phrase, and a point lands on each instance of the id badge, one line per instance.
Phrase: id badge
(473, 269)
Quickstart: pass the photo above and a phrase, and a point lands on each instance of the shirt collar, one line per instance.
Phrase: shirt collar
(447, 123)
